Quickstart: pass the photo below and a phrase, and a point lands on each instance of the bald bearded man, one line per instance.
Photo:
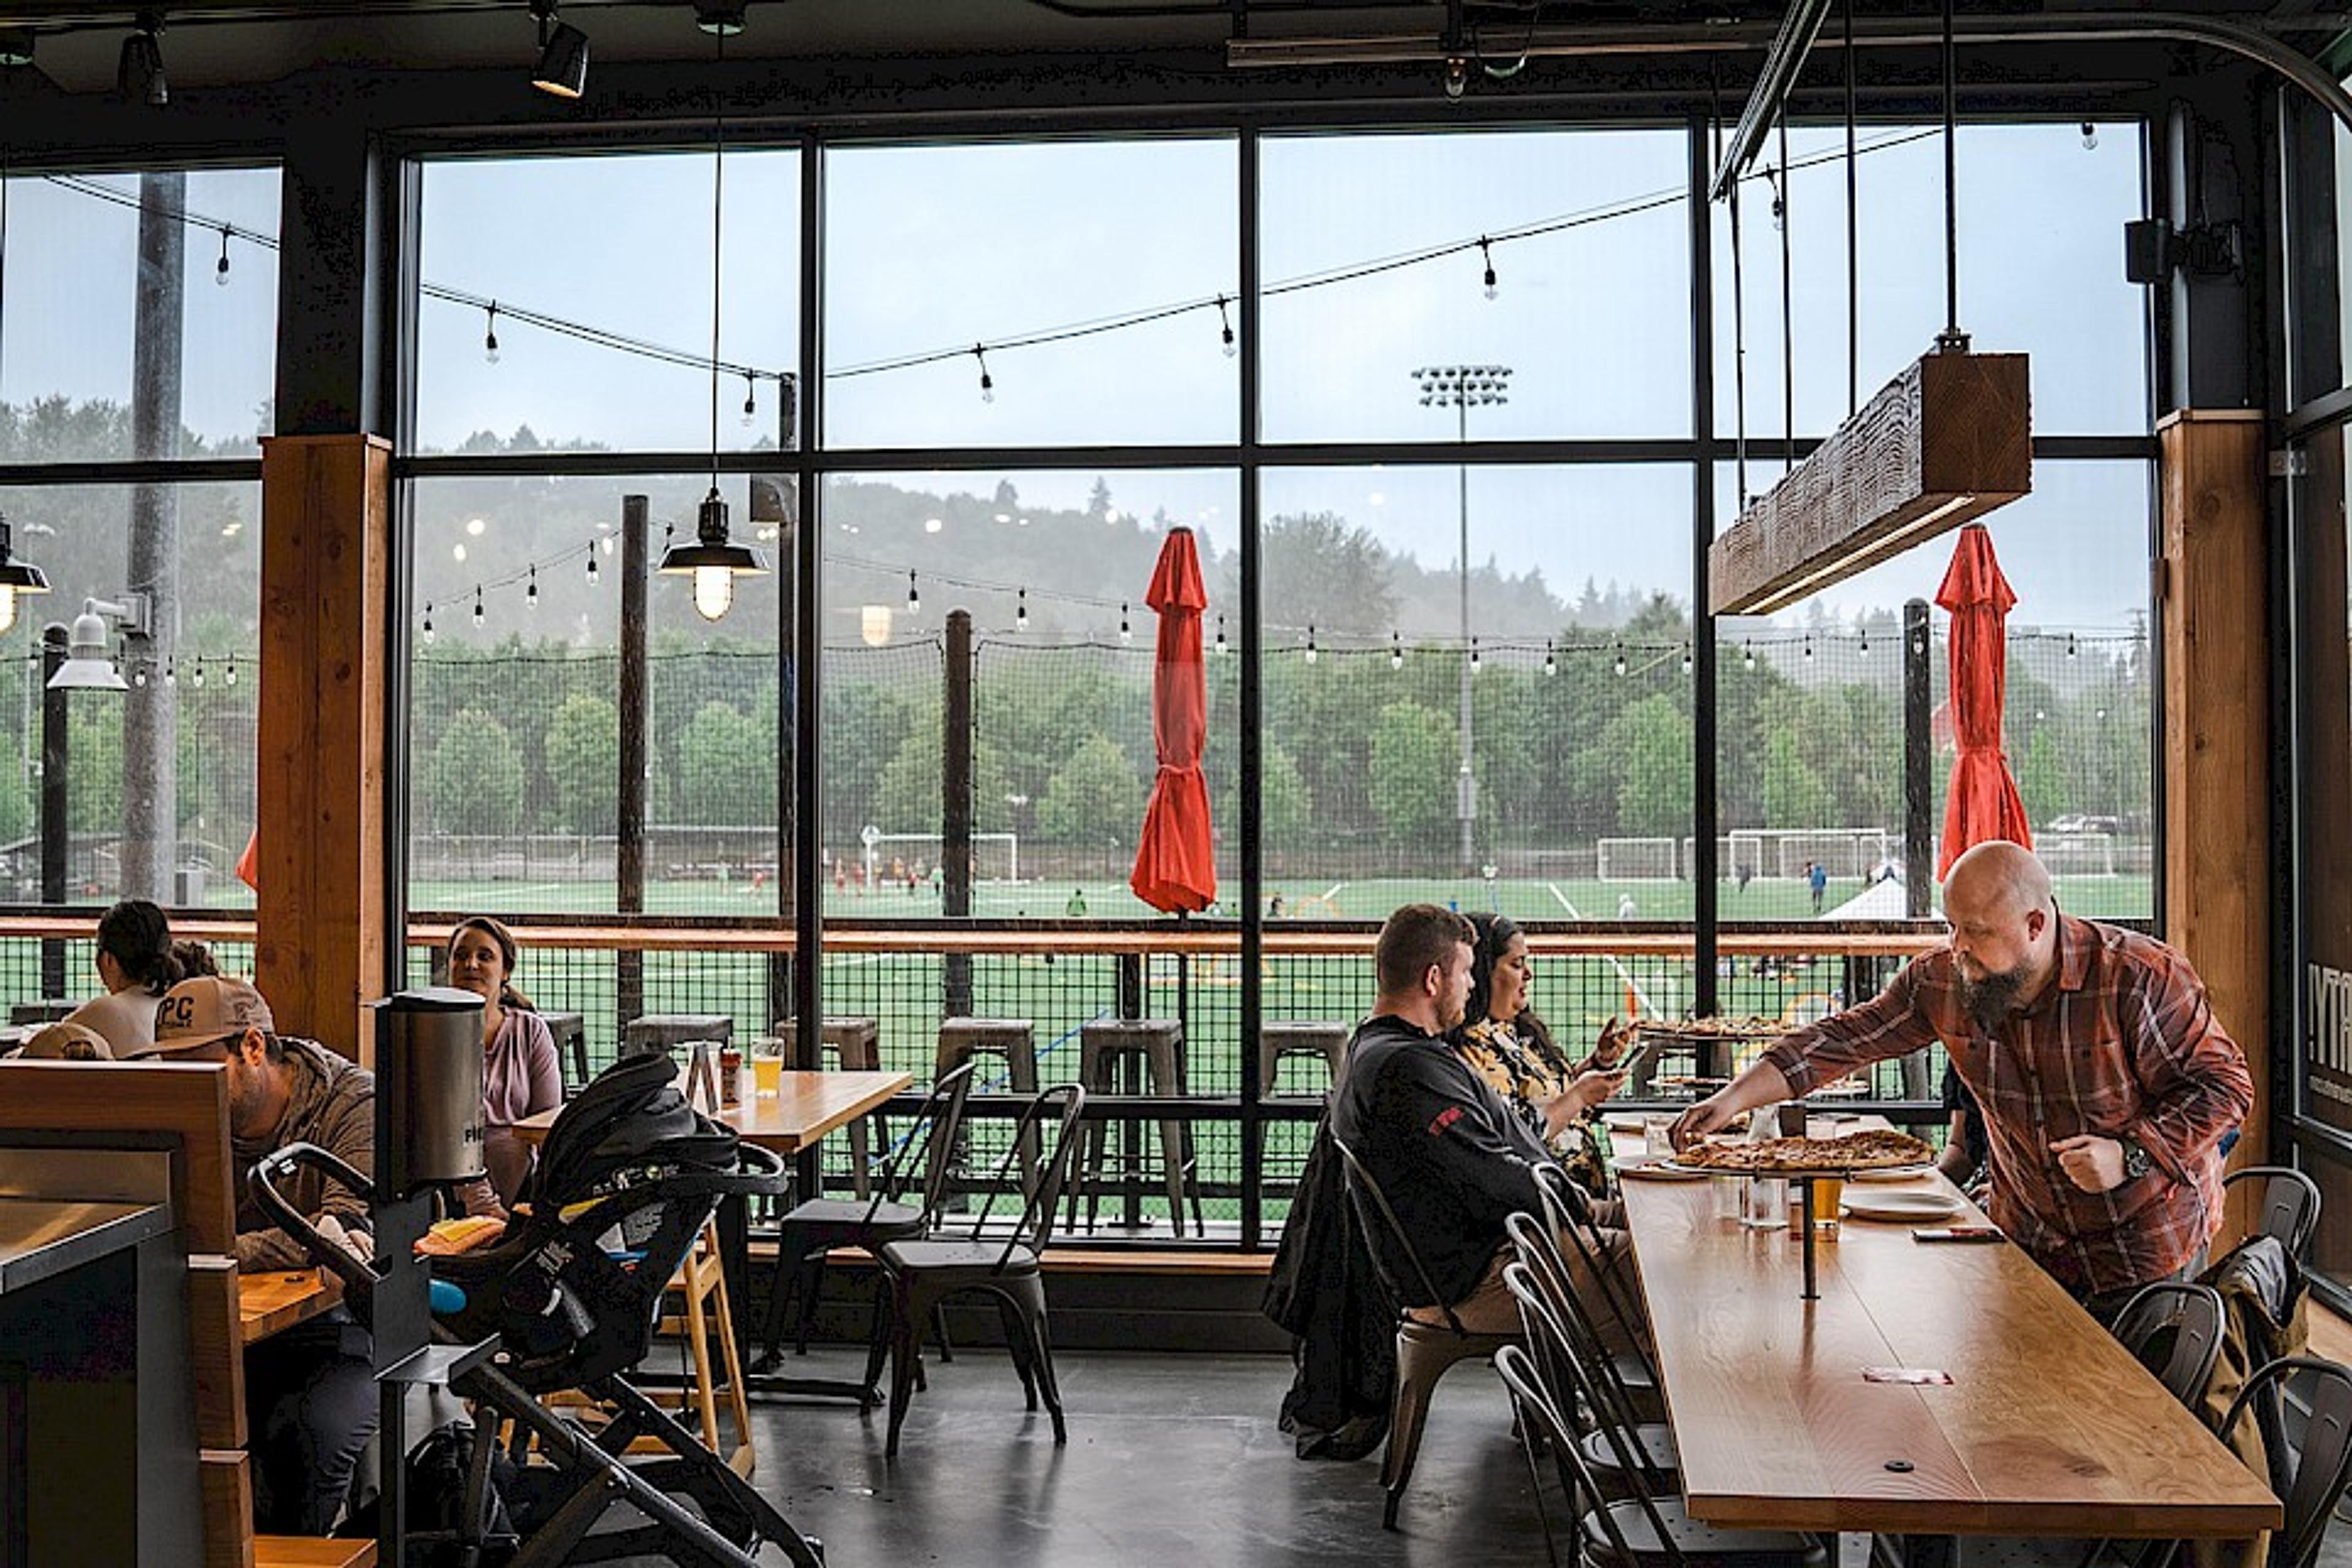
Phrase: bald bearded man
(2104, 1080)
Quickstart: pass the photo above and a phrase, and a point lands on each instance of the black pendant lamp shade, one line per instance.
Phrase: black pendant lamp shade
(713, 560)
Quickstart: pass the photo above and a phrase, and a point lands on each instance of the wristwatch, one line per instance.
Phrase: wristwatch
(2137, 1161)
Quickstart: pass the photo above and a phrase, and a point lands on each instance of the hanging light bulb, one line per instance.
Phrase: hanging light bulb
(1551, 665)
(1808, 647)
(592, 566)
(1396, 650)
(531, 590)
(1486, 249)
(1687, 658)
(1780, 202)
(750, 399)
(1310, 645)
(914, 595)
(1126, 634)
(1221, 634)
(1474, 656)
(1619, 666)
(220, 272)
(231, 677)
(138, 677)
(2071, 649)
(2090, 137)
(428, 626)
(477, 606)
(1748, 656)
(490, 335)
(987, 382)
(1225, 324)
(1021, 610)
(172, 672)
(196, 676)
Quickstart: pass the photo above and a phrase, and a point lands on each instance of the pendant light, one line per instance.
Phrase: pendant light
(713, 560)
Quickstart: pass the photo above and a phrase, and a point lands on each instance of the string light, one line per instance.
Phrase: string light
(172, 672)
(1780, 202)
(914, 595)
(1551, 665)
(1619, 666)
(1808, 647)
(1221, 634)
(1396, 650)
(1748, 656)
(1687, 658)
(1020, 611)
(530, 593)
(1487, 251)
(2070, 645)
(138, 677)
(2090, 137)
(220, 272)
(231, 677)
(477, 606)
(592, 566)
(1125, 634)
(197, 675)
(1863, 651)
(750, 399)
(1225, 326)
(987, 382)
(1310, 645)
(1474, 656)
(490, 333)
(428, 624)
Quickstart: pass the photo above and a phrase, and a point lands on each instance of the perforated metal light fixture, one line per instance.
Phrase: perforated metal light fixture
(713, 560)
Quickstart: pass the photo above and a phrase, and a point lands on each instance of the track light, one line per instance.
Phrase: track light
(138, 73)
(16, 45)
(563, 54)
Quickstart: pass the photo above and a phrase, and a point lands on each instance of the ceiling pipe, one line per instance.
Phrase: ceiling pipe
(2248, 42)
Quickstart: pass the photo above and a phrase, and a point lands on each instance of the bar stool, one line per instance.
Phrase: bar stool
(668, 1031)
(1280, 1039)
(571, 1033)
(48, 1010)
(1011, 1039)
(856, 1045)
(1131, 1055)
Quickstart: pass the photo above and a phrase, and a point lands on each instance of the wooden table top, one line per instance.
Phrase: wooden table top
(2049, 1427)
(273, 1302)
(808, 1105)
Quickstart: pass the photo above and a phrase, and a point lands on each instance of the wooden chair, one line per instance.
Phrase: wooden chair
(1424, 1352)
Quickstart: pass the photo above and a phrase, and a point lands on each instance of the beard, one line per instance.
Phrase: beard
(1990, 998)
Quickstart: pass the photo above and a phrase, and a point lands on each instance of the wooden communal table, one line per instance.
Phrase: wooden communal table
(2048, 1427)
(806, 1106)
(273, 1302)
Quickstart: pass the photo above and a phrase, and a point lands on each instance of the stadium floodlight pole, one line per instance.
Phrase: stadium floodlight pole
(1457, 386)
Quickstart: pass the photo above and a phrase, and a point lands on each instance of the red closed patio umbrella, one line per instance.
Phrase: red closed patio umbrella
(1175, 867)
(1984, 803)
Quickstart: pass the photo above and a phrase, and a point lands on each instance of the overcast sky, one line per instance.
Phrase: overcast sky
(933, 248)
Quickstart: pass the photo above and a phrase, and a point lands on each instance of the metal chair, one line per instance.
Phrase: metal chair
(922, 1273)
(1568, 1216)
(1424, 1352)
(2311, 1479)
(811, 1229)
(1639, 1437)
(2196, 1319)
(1643, 1530)
(2290, 1206)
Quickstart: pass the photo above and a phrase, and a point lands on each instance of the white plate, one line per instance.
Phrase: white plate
(1899, 1173)
(1653, 1171)
(1902, 1206)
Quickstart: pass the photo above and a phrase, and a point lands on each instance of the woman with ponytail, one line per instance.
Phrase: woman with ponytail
(137, 966)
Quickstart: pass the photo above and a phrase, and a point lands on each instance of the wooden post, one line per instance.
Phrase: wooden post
(319, 944)
(2216, 830)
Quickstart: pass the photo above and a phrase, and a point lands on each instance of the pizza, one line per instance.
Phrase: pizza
(1876, 1150)
(1713, 1028)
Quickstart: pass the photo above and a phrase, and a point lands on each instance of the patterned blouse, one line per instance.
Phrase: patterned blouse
(1527, 1072)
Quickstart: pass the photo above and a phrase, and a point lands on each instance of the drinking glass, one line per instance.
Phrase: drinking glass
(1828, 1193)
(1768, 1203)
(1730, 1195)
(767, 1073)
(1658, 1135)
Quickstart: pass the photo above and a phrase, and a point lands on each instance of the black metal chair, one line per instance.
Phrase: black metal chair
(1640, 1438)
(1643, 1530)
(1424, 1352)
(2311, 1479)
(1567, 1212)
(2290, 1206)
(811, 1229)
(921, 1273)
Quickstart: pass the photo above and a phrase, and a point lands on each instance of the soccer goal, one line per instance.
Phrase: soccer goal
(1781, 853)
(1638, 860)
(2077, 854)
(995, 857)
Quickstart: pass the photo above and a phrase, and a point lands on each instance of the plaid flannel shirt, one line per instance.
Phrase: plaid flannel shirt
(2124, 1044)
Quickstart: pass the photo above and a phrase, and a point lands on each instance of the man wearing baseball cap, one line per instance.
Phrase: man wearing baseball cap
(310, 1394)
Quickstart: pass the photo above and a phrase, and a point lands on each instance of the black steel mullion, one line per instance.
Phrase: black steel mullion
(182, 472)
(1252, 716)
(404, 214)
(808, 686)
(1707, 809)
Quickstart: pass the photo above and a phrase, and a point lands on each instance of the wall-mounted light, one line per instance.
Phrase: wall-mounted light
(89, 661)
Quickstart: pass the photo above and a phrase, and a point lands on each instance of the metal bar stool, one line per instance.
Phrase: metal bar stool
(1131, 1055)
(569, 1031)
(668, 1031)
(1281, 1039)
(1014, 1040)
(856, 1045)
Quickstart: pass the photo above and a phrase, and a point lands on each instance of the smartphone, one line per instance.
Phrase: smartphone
(1959, 1233)
(1635, 1054)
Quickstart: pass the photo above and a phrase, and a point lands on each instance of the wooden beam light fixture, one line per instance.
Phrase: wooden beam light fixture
(1945, 442)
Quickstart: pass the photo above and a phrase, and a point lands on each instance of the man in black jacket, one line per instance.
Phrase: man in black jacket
(1450, 1156)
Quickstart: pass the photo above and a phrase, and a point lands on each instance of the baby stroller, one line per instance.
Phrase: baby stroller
(629, 1176)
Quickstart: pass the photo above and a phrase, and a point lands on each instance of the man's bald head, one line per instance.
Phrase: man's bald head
(1997, 878)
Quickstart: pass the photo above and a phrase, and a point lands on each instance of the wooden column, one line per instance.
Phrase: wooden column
(2217, 786)
(326, 528)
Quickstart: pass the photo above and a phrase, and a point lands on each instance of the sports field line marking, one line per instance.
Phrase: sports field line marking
(1333, 892)
(1622, 972)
